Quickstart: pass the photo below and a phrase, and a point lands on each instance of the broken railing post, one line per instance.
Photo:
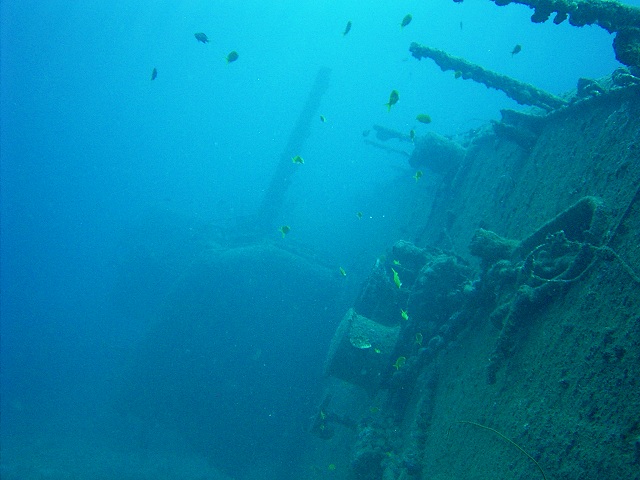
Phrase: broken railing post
(523, 93)
(274, 196)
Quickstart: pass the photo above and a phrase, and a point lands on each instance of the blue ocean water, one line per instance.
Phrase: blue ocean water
(113, 182)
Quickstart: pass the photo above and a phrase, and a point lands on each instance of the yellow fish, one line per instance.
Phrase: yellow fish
(423, 118)
(405, 315)
(406, 20)
(359, 215)
(396, 278)
(322, 118)
(418, 175)
(342, 272)
(393, 99)
(400, 362)
(284, 229)
(419, 338)
(298, 159)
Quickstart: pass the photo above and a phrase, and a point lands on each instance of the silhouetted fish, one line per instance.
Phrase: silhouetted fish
(232, 57)
(154, 73)
(201, 37)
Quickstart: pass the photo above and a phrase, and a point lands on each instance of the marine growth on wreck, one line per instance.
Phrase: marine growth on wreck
(292, 249)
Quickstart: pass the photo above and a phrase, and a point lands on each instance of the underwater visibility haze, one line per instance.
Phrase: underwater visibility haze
(194, 193)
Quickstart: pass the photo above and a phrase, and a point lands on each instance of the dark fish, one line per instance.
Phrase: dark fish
(406, 20)
(154, 73)
(347, 28)
(201, 37)
(232, 57)
(516, 49)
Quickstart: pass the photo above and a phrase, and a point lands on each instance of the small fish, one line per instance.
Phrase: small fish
(374, 409)
(232, 57)
(332, 467)
(201, 37)
(405, 315)
(377, 350)
(406, 20)
(516, 49)
(365, 133)
(418, 338)
(457, 74)
(423, 118)
(400, 362)
(347, 29)
(396, 278)
(412, 135)
(418, 175)
(359, 215)
(396, 262)
(322, 118)
(342, 272)
(284, 229)
(393, 99)
(154, 74)
(298, 159)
